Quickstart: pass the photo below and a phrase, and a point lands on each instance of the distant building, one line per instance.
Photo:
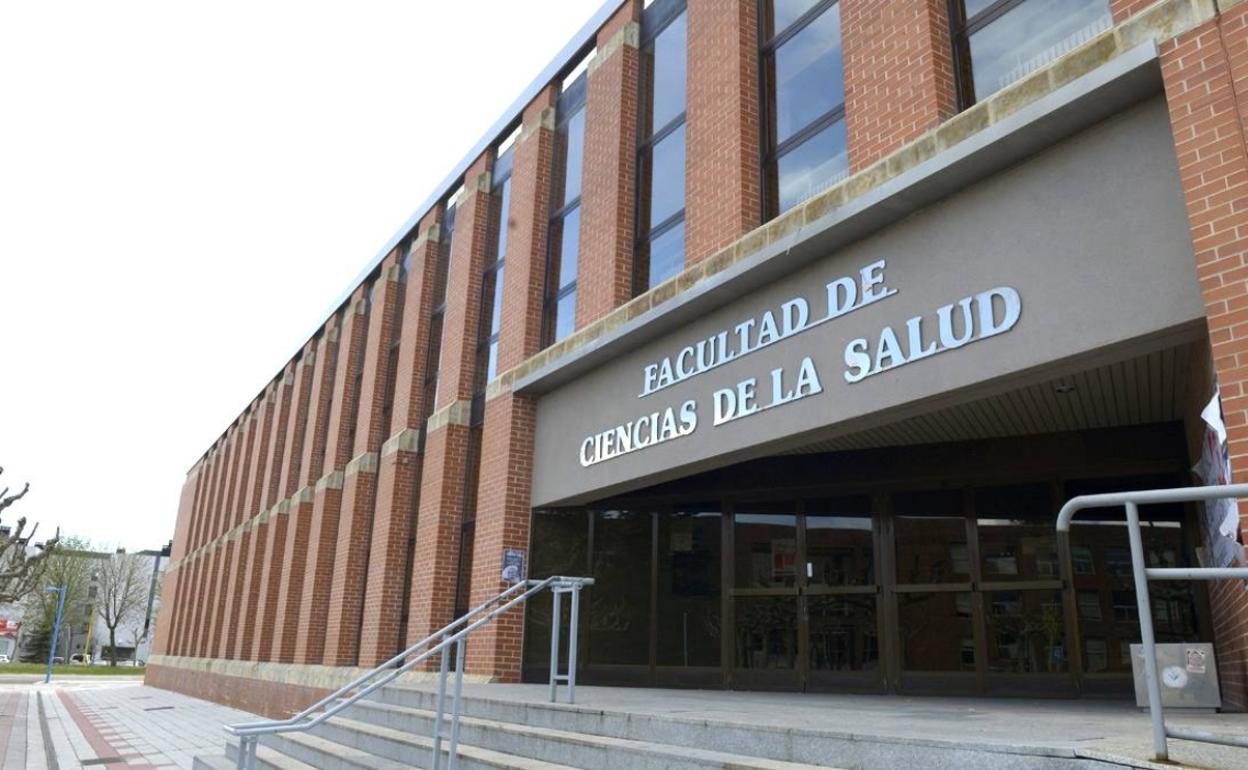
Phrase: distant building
(83, 631)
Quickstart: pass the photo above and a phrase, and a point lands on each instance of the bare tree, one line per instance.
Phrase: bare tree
(72, 565)
(21, 570)
(123, 584)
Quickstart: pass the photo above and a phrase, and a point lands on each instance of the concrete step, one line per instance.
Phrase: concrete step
(581, 750)
(266, 759)
(345, 744)
(823, 746)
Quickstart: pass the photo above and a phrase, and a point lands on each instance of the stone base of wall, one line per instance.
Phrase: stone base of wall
(275, 690)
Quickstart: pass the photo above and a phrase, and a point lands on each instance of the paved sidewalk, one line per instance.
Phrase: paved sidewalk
(110, 724)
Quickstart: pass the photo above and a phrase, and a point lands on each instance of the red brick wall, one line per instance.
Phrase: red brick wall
(269, 699)
(722, 173)
(898, 73)
(503, 488)
(609, 177)
(346, 599)
(399, 473)
(1122, 9)
(1204, 71)
(435, 562)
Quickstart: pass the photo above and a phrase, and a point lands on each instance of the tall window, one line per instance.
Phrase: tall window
(492, 277)
(433, 355)
(803, 86)
(661, 156)
(565, 220)
(998, 42)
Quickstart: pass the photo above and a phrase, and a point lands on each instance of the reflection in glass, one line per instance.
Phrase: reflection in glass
(570, 153)
(766, 548)
(810, 168)
(667, 255)
(663, 70)
(1017, 539)
(839, 542)
(1105, 591)
(564, 539)
(808, 76)
(779, 14)
(931, 538)
(665, 177)
(566, 234)
(936, 633)
(843, 633)
(1026, 632)
(565, 316)
(1031, 35)
(619, 600)
(689, 623)
(766, 632)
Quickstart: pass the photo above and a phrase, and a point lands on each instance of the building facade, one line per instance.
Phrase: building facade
(793, 323)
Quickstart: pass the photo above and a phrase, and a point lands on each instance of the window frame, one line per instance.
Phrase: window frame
(576, 98)
(654, 21)
(489, 280)
(768, 155)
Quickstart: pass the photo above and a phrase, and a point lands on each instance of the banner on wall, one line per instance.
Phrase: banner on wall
(1221, 517)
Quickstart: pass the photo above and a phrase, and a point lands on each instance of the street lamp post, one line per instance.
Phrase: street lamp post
(56, 627)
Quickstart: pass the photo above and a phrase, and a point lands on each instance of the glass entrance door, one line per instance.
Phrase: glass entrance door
(805, 600)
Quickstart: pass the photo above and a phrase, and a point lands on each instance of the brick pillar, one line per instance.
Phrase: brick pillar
(181, 548)
(507, 437)
(194, 605)
(299, 514)
(242, 609)
(261, 531)
(236, 543)
(208, 556)
(1205, 71)
(359, 491)
(436, 558)
(172, 582)
(1124, 9)
(327, 497)
(609, 178)
(898, 73)
(398, 477)
(289, 455)
(722, 173)
(225, 598)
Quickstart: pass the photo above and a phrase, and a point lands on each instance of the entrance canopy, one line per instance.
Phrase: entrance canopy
(1074, 264)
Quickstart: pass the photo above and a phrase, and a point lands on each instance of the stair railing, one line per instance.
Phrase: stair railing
(1142, 574)
(454, 634)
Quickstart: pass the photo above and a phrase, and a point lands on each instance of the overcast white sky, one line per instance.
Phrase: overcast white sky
(184, 191)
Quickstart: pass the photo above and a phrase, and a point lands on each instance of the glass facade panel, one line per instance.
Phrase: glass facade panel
(665, 177)
(765, 545)
(931, 538)
(808, 77)
(810, 168)
(766, 632)
(843, 633)
(564, 539)
(619, 600)
(667, 255)
(566, 239)
(570, 145)
(1026, 632)
(1029, 36)
(688, 600)
(1100, 556)
(663, 68)
(1017, 539)
(935, 630)
(565, 316)
(840, 545)
(782, 13)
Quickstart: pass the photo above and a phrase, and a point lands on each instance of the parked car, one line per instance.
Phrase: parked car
(4, 658)
(79, 659)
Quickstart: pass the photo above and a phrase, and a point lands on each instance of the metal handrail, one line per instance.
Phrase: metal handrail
(1143, 573)
(249, 732)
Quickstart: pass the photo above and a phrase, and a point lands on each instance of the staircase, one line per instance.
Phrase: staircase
(390, 729)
